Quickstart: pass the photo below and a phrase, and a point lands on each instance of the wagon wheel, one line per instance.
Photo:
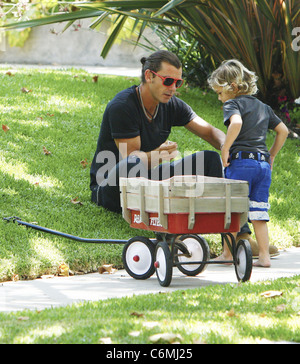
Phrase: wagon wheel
(138, 257)
(163, 264)
(243, 260)
(192, 248)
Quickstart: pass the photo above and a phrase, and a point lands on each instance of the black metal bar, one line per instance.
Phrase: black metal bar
(225, 237)
(64, 235)
(206, 262)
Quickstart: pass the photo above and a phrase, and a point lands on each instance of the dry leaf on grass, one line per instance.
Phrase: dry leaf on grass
(25, 90)
(105, 340)
(107, 268)
(232, 313)
(75, 201)
(63, 270)
(5, 128)
(84, 163)
(23, 318)
(166, 338)
(271, 294)
(137, 314)
(46, 151)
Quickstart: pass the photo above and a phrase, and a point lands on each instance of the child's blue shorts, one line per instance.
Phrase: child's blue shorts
(258, 174)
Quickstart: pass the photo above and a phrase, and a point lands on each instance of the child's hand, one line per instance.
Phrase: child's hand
(271, 162)
(225, 157)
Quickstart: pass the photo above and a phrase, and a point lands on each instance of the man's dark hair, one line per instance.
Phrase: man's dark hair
(153, 62)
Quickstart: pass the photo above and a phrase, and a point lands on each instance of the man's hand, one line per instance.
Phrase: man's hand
(168, 150)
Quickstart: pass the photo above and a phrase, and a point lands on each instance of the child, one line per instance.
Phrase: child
(244, 152)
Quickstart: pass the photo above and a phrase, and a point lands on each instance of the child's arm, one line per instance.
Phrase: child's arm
(281, 135)
(232, 133)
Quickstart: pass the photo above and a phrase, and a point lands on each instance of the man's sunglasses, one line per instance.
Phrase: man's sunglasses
(169, 81)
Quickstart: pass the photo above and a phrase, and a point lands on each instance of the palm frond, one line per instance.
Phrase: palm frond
(258, 32)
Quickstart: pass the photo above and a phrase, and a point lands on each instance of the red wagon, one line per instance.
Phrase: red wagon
(177, 210)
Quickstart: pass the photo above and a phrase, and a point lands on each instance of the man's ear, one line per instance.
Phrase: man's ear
(148, 76)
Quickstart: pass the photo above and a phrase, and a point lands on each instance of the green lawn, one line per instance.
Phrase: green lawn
(61, 110)
(230, 313)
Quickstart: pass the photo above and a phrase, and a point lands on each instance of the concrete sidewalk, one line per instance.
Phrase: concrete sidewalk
(60, 291)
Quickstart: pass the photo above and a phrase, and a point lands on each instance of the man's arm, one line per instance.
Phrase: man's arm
(132, 146)
(204, 130)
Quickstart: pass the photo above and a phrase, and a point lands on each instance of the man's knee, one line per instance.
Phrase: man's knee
(107, 194)
(212, 164)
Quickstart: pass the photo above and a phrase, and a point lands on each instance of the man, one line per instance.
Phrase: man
(135, 128)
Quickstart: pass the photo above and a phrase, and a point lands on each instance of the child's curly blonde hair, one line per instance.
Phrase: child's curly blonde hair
(234, 72)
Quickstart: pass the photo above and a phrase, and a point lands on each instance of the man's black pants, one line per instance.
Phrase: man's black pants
(107, 193)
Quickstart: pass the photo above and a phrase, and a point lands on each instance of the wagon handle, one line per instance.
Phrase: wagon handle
(17, 220)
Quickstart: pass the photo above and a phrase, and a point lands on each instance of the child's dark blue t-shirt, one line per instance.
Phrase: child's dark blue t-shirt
(257, 119)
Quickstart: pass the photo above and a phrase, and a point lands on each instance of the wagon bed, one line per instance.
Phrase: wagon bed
(177, 210)
(185, 204)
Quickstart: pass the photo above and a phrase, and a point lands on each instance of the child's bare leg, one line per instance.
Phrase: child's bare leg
(226, 254)
(262, 237)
